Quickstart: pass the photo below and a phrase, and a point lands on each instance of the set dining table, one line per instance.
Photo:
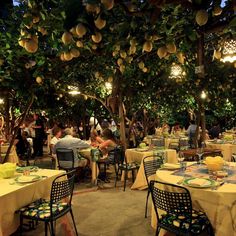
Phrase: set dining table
(14, 195)
(218, 203)
(137, 155)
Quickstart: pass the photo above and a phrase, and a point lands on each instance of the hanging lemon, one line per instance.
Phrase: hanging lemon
(123, 54)
(75, 52)
(100, 23)
(217, 11)
(180, 57)
(81, 30)
(31, 46)
(66, 38)
(97, 37)
(108, 4)
(145, 69)
(141, 65)
(119, 62)
(39, 79)
(67, 56)
(162, 52)
(147, 46)
(171, 48)
(201, 17)
(79, 44)
(62, 57)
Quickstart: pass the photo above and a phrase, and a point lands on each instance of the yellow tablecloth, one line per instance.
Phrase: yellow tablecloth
(219, 205)
(12, 156)
(13, 197)
(226, 148)
(135, 156)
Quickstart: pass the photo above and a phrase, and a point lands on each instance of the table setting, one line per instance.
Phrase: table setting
(212, 185)
(20, 186)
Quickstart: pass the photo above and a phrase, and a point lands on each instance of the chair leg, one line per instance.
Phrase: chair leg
(52, 228)
(158, 230)
(46, 228)
(72, 216)
(21, 225)
(148, 193)
(133, 176)
(126, 172)
(117, 173)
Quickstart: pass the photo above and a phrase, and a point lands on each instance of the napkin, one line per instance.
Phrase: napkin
(171, 166)
(199, 182)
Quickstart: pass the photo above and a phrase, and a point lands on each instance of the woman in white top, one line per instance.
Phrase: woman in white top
(56, 136)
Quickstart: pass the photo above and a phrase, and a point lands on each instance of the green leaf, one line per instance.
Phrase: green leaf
(232, 23)
(42, 16)
(8, 46)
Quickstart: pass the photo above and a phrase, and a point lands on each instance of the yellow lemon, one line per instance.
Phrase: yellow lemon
(162, 52)
(147, 46)
(119, 62)
(75, 52)
(145, 69)
(100, 23)
(22, 42)
(122, 69)
(108, 4)
(66, 37)
(123, 54)
(73, 30)
(62, 57)
(36, 19)
(171, 48)
(39, 80)
(79, 44)
(110, 79)
(141, 65)
(217, 10)
(180, 57)
(97, 37)
(31, 46)
(81, 30)
(201, 17)
(42, 30)
(68, 56)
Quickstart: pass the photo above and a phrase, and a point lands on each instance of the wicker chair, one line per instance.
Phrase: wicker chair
(151, 164)
(178, 217)
(59, 204)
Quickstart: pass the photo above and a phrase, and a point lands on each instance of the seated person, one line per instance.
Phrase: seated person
(96, 140)
(23, 147)
(70, 142)
(56, 137)
(109, 144)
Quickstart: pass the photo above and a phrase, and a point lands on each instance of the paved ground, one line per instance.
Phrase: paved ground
(105, 211)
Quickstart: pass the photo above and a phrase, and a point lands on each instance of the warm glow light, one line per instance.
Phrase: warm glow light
(108, 86)
(176, 72)
(1, 101)
(74, 92)
(203, 95)
(229, 51)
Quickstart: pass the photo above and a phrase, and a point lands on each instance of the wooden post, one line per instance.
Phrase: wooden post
(7, 108)
(122, 123)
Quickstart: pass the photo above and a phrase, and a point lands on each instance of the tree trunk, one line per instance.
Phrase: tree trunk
(122, 123)
(18, 127)
(7, 108)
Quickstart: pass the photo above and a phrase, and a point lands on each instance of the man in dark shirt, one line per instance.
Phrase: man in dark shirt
(39, 136)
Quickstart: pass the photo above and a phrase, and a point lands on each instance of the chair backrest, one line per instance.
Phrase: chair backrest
(65, 158)
(119, 155)
(233, 158)
(151, 165)
(183, 144)
(62, 188)
(171, 198)
(158, 142)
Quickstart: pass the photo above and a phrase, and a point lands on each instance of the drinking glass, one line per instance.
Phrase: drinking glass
(213, 176)
(199, 153)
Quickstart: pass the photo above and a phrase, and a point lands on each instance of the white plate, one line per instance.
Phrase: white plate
(207, 182)
(27, 178)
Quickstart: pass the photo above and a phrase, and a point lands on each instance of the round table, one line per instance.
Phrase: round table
(219, 205)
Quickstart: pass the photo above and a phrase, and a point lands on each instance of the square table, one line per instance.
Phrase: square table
(132, 155)
(15, 196)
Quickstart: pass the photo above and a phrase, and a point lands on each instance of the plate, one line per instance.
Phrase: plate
(191, 182)
(27, 178)
(142, 149)
(29, 168)
(168, 166)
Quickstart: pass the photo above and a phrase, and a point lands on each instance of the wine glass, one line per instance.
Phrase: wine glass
(199, 153)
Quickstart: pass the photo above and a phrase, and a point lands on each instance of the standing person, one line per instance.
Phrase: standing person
(191, 131)
(38, 128)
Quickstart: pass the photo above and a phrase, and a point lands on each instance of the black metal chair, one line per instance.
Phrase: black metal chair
(151, 164)
(178, 217)
(183, 144)
(158, 143)
(120, 164)
(233, 158)
(65, 159)
(59, 204)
